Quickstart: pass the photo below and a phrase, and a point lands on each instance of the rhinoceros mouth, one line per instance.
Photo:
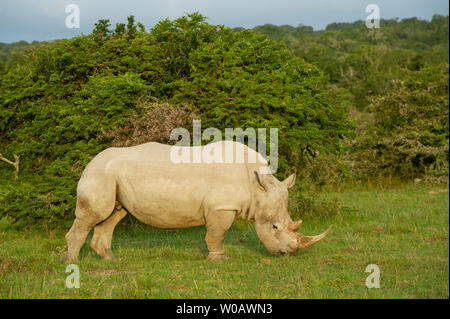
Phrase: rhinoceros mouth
(303, 242)
(283, 252)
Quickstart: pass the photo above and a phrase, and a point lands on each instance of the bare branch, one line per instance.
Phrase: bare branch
(15, 163)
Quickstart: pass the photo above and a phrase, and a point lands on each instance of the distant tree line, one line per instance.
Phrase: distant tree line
(367, 62)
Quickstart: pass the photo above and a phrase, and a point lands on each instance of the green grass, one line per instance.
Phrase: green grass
(403, 230)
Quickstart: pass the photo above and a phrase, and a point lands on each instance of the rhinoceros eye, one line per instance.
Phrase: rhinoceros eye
(275, 226)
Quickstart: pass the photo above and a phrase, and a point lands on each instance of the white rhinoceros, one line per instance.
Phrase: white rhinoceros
(147, 182)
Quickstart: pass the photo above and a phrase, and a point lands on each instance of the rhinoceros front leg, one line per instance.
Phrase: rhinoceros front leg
(217, 224)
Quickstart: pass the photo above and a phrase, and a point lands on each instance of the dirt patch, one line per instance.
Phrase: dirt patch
(379, 229)
(104, 273)
(352, 249)
(436, 238)
(437, 191)
(11, 264)
(325, 261)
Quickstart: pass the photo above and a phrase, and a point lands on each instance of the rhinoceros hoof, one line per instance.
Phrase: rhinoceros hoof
(217, 256)
(67, 260)
(109, 256)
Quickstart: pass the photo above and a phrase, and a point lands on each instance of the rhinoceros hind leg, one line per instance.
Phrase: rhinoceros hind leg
(101, 241)
(75, 239)
(89, 212)
(217, 224)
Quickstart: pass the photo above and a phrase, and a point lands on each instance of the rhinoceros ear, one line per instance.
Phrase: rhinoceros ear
(290, 181)
(260, 180)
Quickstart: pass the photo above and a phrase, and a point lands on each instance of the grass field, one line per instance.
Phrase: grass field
(404, 230)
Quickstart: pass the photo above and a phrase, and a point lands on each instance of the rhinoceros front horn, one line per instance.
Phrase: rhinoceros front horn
(306, 241)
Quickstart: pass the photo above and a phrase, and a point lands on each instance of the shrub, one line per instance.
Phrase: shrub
(412, 125)
(152, 121)
(406, 135)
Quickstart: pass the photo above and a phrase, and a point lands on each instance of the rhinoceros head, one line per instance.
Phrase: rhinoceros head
(273, 224)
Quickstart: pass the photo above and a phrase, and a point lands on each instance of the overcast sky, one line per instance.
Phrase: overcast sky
(45, 19)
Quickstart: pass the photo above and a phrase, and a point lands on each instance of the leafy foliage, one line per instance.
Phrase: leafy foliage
(412, 124)
(367, 62)
(393, 82)
(405, 134)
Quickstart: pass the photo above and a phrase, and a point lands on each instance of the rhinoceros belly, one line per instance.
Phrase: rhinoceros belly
(161, 198)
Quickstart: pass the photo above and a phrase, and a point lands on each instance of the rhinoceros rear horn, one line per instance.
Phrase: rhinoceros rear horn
(307, 241)
(294, 226)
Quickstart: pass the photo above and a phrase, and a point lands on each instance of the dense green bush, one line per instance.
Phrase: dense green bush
(412, 128)
(59, 99)
(394, 84)
(405, 135)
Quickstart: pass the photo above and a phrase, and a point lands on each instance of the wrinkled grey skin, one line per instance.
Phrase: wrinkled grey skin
(145, 181)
